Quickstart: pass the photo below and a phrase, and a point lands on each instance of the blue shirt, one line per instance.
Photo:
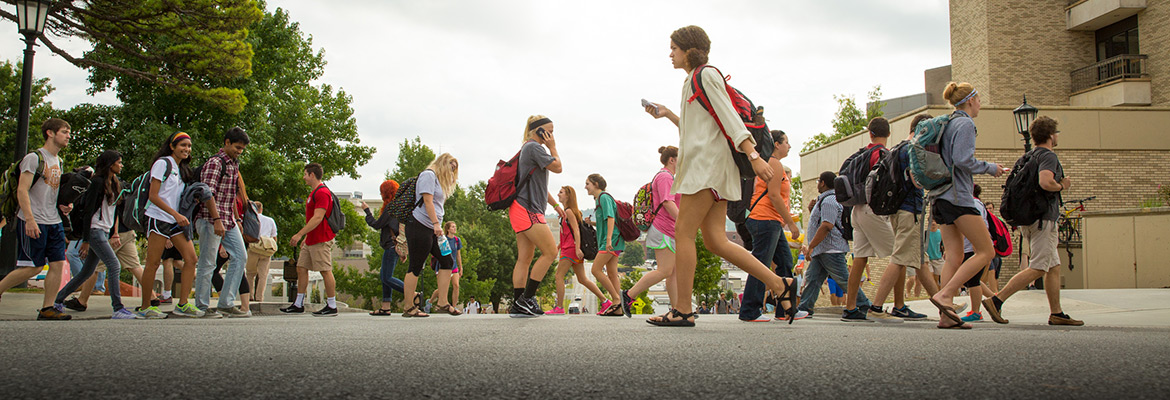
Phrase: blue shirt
(934, 245)
(913, 202)
(827, 209)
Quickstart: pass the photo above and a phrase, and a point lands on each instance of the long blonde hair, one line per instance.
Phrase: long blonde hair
(571, 201)
(530, 134)
(447, 176)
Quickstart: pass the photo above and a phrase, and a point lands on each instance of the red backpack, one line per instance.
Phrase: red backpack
(750, 115)
(1001, 236)
(625, 220)
(504, 184)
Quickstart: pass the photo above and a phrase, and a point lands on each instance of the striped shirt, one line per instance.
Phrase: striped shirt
(829, 210)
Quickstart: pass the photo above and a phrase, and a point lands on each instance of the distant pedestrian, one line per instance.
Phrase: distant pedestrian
(610, 244)
(260, 254)
(571, 256)
(316, 252)
(389, 230)
(660, 236)
(472, 306)
(425, 228)
(826, 247)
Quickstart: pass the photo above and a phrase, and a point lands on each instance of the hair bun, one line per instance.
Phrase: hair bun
(661, 149)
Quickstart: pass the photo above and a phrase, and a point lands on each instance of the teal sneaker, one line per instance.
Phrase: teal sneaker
(187, 310)
(972, 317)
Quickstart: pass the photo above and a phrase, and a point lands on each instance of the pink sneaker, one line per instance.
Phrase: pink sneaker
(555, 311)
(604, 306)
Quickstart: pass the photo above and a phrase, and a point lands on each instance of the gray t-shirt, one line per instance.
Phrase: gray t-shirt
(1049, 161)
(428, 182)
(42, 195)
(534, 195)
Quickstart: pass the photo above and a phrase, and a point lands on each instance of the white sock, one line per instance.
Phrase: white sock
(300, 302)
(166, 294)
(331, 302)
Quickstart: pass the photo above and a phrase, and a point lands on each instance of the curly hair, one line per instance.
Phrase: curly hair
(694, 41)
(1042, 129)
(388, 189)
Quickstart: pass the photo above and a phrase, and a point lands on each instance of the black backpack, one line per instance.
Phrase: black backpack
(850, 182)
(137, 198)
(1023, 201)
(885, 187)
(71, 191)
(843, 224)
(588, 240)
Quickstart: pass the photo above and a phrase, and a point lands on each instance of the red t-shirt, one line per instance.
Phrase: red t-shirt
(875, 156)
(321, 197)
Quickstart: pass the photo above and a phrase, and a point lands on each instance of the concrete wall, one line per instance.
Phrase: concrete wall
(1153, 36)
(1127, 248)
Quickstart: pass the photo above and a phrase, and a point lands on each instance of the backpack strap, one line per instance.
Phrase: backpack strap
(837, 223)
(701, 94)
(753, 206)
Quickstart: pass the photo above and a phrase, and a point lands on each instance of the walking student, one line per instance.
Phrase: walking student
(1044, 261)
(974, 285)
(609, 244)
(316, 251)
(872, 234)
(169, 174)
(449, 231)
(707, 176)
(425, 228)
(826, 247)
(97, 208)
(527, 215)
(221, 173)
(388, 231)
(571, 255)
(954, 208)
(660, 236)
(260, 254)
(40, 234)
(907, 251)
(767, 218)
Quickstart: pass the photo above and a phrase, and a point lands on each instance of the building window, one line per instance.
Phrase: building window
(1118, 39)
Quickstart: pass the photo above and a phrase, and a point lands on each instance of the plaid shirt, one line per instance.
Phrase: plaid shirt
(221, 173)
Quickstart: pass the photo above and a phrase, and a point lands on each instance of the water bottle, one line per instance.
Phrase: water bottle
(444, 247)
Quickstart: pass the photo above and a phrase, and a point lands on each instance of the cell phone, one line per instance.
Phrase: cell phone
(540, 132)
(649, 104)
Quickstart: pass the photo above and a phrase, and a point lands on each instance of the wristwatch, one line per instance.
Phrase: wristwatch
(755, 155)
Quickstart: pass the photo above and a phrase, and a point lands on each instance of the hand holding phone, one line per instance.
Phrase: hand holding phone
(649, 104)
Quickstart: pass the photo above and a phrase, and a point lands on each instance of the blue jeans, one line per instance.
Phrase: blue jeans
(823, 266)
(389, 282)
(99, 250)
(73, 255)
(209, 242)
(766, 239)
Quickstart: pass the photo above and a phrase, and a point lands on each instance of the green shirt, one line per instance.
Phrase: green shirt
(607, 208)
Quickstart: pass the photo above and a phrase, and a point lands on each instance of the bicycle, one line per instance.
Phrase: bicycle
(1069, 226)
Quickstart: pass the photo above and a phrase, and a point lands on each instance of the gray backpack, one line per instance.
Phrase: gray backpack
(335, 217)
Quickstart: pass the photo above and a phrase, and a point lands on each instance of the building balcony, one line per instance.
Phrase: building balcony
(1091, 15)
(1118, 81)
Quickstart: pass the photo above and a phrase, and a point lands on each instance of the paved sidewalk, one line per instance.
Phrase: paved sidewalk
(24, 306)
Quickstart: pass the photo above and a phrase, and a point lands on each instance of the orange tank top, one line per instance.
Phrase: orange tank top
(764, 211)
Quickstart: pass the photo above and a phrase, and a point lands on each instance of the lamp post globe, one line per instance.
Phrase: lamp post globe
(31, 16)
(1025, 114)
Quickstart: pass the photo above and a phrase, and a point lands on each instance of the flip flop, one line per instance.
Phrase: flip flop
(947, 311)
(958, 326)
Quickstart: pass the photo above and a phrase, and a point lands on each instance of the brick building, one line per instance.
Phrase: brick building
(1101, 68)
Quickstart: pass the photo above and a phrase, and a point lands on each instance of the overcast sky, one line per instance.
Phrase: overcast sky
(465, 75)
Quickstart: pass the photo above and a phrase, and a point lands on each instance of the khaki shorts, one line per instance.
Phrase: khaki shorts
(255, 260)
(872, 235)
(1042, 241)
(907, 239)
(127, 253)
(318, 257)
(936, 266)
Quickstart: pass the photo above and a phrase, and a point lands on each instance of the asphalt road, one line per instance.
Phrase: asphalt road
(357, 356)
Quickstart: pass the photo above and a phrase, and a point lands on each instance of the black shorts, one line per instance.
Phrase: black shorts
(172, 253)
(975, 280)
(945, 213)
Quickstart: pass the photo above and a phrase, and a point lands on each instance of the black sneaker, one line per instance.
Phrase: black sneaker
(524, 307)
(515, 311)
(75, 305)
(854, 315)
(626, 303)
(326, 311)
(292, 309)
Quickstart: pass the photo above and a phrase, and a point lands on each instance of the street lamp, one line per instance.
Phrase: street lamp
(30, 18)
(1025, 114)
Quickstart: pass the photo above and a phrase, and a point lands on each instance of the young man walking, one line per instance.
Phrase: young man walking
(907, 244)
(40, 235)
(316, 252)
(1044, 261)
(826, 247)
(872, 235)
(221, 173)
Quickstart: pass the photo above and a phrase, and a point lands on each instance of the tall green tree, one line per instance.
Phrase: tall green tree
(848, 120)
(634, 255)
(193, 47)
(413, 158)
(10, 107)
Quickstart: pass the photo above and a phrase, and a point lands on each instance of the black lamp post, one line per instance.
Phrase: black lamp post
(1025, 114)
(30, 18)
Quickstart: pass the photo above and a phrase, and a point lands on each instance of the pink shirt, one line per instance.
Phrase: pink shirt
(660, 191)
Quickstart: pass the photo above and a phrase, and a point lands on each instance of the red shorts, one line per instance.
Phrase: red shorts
(522, 219)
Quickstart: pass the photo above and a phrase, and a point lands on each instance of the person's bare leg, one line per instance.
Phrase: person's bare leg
(599, 263)
(665, 269)
(854, 283)
(455, 288)
(444, 281)
(154, 249)
(972, 228)
(1019, 281)
(692, 209)
(889, 282)
(188, 272)
(303, 283)
(715, 239)
(976, 294)
(926, 281)
(559, 281)
(989, 283)
(19, 276)
(525, 249)
(542, 238)
(87, 289)
(1052, 289)
(611, 271)
(168, 276)
(330, 283)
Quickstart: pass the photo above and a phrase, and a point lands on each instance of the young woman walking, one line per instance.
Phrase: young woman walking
(660, 236)
(388, 229)
(165, 222)
(609, 245)
(954, 208)
(449, 231)
(571, 255)
(527, 215)
(432, 188)
(707, 177)
(97, 206)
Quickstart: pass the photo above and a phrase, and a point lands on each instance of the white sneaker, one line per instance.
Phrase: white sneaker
(883, 316)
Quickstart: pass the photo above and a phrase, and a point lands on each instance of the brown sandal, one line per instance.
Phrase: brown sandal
(613, 311)
(414, 312)
(449, 310)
